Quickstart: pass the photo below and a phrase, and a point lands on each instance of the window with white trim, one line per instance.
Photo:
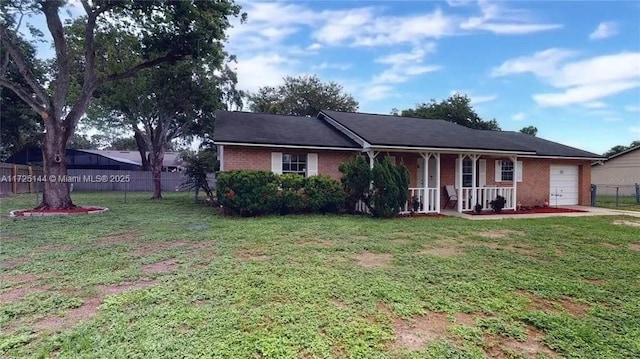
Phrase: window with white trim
(294, 163)
(467, 173)
(507, 171)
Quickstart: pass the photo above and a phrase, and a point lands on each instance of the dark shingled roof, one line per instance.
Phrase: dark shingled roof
(544, 147)
(379, 131)
(387, 130)
(260, 128)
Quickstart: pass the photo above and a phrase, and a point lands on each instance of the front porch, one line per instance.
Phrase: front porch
(468, 174)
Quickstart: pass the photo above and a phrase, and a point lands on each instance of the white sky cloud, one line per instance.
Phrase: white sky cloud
(635, 129)
(604, 30)
(632, 108)
(519, 117)
(499, 19)
(582, 81)
(595, 104)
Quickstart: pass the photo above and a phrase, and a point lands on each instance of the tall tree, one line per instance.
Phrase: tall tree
(302, 96)
(456, 109)
(167, 31)
(20, 127)
(173, 101)
(620, 148)
(529, 130)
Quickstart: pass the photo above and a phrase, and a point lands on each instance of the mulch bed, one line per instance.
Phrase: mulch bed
(533, 210)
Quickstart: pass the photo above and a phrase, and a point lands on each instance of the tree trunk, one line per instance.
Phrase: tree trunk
(56, 190)
(156, 171)
(143, 149)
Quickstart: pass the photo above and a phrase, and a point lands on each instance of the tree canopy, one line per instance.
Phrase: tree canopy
(302, 96)
(118, 39)
(620, 148)
(456, 109)
(529, 130)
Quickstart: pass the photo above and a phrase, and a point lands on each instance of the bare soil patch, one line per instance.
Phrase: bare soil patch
(338, 303)
(19, 293)
(248, 256)
(119, 238)
(464, 319)
(567, 304)
(609, 245)
(88, 309)
(373, 260)
(166, 266)
(634, 246)
(420, 331)
(501, 347)
(19, 278)
(627, 223)
(499, 233)
(4, 238)
(445, 252)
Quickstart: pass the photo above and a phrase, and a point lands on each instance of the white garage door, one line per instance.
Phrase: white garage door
(564, 185)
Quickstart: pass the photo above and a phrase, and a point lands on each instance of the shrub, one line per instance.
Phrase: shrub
(251, 193)
(390, 187)
(325, 194)
(198, 165)
(356, 182)
(291, 195)
(383, 189)
(247, 192)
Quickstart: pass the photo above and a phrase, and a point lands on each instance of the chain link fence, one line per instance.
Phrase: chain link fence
(606, 195)
(26, 179)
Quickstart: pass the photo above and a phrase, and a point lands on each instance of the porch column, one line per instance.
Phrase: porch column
(459, 184)
(514, 159)
(437, 156)
(474, 194)
(425, 179)
(372, 156)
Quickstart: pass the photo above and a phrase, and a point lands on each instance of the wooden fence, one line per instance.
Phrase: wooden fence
(90, 180)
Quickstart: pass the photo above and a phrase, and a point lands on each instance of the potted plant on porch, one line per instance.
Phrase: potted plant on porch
(498, 204)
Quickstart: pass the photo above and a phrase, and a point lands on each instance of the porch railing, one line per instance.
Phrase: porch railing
(419, 194)
(484, 195)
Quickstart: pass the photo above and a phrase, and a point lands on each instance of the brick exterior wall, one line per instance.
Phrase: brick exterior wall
(533, 190)
(259, 158)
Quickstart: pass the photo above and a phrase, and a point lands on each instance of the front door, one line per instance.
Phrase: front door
(433, 167)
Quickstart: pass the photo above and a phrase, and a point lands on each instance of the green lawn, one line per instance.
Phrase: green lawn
(172, 279)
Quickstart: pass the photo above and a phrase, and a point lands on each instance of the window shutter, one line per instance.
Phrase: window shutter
(518, 173)
(482, 173)
(312, 164)
(276, 162)
(457, 178)
(498, 177)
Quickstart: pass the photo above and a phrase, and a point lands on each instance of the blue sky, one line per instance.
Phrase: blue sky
(570, 68)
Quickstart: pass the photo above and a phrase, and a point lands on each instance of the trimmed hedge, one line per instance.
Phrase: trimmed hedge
(253, 193)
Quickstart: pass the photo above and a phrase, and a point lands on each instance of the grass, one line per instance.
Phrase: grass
(172, 279)
(627, 203)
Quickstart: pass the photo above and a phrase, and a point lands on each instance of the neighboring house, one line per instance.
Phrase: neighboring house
(621, 169)
(479, 164)
(98, 159)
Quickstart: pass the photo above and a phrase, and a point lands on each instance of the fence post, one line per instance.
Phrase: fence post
(617, 197)
(14, 175)
(594, 191)
(30, 179)
(638, 193)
